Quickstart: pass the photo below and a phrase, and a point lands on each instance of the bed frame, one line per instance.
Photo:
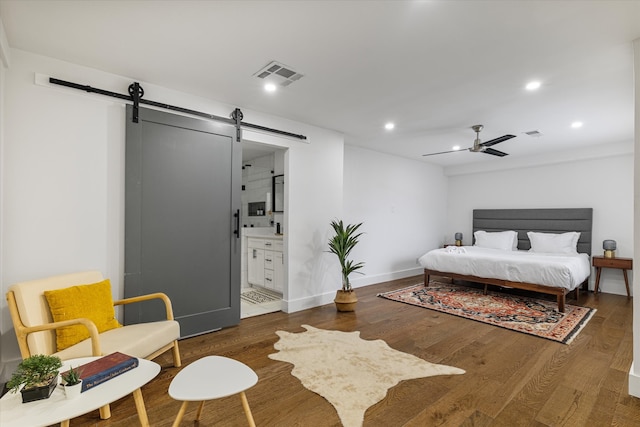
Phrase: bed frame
(523, 220)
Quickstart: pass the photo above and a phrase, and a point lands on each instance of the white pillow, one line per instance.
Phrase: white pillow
(562, 243)
(505, 240)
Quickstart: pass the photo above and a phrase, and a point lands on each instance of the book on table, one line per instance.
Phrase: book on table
(105, 368)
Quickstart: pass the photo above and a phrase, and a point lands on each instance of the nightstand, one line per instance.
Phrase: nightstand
(624, 264)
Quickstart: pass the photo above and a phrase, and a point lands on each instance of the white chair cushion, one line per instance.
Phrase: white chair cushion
(139, 340)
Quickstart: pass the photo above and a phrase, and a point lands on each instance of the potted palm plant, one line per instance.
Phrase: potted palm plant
(345, 238)
(38, 375)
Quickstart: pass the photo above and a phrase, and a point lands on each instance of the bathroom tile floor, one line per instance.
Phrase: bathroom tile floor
(250, 310)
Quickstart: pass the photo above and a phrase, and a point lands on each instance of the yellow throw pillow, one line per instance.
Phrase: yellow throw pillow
(93, 302)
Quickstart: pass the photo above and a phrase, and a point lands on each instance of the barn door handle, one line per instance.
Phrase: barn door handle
(236, 215)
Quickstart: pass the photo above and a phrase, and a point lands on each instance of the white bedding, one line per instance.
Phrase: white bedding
(557, 270)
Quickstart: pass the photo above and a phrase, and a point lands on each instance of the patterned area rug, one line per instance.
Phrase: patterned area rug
(255, 296)
(528, 315)
(351, 373)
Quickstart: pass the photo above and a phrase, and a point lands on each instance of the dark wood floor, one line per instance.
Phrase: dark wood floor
(512, 379)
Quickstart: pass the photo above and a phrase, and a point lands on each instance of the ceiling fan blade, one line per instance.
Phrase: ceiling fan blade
(445, 152)
(494, 152)
(497, 140)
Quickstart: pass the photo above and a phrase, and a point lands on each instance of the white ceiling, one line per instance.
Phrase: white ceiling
(434, 68)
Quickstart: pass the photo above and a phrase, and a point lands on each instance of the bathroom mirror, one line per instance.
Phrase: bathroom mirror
(278, 193)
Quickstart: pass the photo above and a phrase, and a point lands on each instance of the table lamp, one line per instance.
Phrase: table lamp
(609, 247)
(458, 237)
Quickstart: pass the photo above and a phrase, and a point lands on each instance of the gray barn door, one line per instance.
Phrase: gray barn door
(183, 178)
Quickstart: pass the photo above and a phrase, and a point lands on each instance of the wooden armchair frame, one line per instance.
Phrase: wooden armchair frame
(169, 311)
(23, 331)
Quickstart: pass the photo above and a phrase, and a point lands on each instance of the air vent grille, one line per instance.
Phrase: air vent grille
(278, 73)
(534, 133)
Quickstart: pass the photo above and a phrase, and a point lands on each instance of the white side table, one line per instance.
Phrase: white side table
(212, 377)
(59, 409)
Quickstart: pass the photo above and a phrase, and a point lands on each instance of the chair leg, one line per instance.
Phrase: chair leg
(247, 410)
(176, 355)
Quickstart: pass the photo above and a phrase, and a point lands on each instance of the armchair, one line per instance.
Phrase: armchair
(35, 328)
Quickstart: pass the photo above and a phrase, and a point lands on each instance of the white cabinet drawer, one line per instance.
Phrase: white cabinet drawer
(268, 260)
(273, 245)
(268, 279)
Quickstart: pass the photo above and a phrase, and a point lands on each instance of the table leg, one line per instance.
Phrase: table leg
(181, 412)
(199, 411)
(65, 423)
(247, 410)
(142, 411)
(105, 412)
(598, 271)
(626, 282)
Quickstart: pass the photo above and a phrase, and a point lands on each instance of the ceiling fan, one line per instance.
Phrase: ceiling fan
(481, 147)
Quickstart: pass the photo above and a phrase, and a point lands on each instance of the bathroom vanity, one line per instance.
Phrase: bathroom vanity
(265, 264)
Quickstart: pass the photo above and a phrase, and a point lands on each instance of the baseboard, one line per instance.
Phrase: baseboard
(292, 306)
(634, 383)
(358, 282)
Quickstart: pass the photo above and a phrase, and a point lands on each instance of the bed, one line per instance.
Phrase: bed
(549, 273)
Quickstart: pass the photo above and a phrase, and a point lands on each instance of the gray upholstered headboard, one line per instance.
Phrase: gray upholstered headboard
(540, 220)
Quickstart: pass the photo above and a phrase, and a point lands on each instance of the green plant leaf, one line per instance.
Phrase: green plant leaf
(341, 244)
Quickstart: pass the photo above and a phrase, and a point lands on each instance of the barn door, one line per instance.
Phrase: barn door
(182, 199)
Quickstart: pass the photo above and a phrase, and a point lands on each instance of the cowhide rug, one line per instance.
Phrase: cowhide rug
(351, 373)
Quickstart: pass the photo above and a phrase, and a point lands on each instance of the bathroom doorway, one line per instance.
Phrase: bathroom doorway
(262, 230)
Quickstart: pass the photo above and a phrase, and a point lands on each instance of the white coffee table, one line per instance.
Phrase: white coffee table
(59, 409)
(212, 377)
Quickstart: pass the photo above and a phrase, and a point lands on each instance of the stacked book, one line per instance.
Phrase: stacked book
(103, 369)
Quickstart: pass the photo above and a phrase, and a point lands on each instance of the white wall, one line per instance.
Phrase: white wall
(63, 181)
(401, 203)
(604, 184)
(4, 64)
(634, 372)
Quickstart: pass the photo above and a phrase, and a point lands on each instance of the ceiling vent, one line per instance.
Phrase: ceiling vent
(534, 133)
(278, 73)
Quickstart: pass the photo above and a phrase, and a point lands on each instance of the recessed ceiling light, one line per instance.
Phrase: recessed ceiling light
(389, 126)
(576, 125)
(533, 85)
(270, 87)
(455, 147)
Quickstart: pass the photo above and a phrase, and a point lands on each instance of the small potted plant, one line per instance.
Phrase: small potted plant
(72, 383)
(38, 375)
(341, 244)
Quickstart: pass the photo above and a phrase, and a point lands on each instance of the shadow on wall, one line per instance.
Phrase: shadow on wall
(322, 264)
(9, 353)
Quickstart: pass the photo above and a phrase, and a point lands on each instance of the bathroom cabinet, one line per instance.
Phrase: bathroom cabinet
(265, 263)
